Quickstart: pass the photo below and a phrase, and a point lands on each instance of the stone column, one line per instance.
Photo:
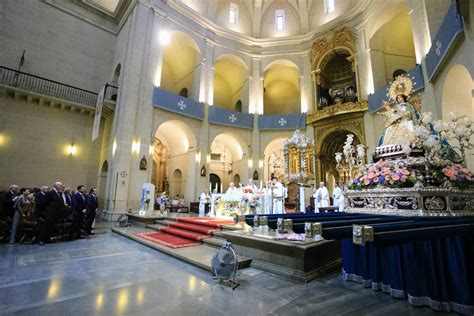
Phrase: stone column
(256, 87)
(314, 86)
(133, 117)
(305, 86)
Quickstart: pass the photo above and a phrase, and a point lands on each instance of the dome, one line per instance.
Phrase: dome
(273, 19)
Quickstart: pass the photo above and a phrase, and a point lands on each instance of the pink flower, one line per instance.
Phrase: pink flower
(395, 177)
(449, 172)
(371, 175)
(405, 172)
(372, 169)
(367, 181)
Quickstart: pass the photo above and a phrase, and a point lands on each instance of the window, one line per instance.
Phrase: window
(280, 19)
(234, 13)
(329, 6)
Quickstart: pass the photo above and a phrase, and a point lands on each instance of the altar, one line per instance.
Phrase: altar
(229, 205)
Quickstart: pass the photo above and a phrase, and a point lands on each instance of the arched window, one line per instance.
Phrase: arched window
(184, 92)
(238, 106)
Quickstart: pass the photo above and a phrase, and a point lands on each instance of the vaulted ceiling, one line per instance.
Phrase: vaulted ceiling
(256, 18)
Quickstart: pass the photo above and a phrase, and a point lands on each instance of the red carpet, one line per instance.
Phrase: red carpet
(194, 228)
(206, 221)
(168, 240)
(184, 233)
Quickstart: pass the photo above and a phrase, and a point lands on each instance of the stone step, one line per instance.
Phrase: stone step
(214, 242)
(199, 256)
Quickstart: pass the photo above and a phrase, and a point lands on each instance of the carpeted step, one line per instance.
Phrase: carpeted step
(184, 233)
(168, 240)
(195, 228)
(206, 221)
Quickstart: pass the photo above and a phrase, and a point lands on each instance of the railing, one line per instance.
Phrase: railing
(111, 92)
(48, 87)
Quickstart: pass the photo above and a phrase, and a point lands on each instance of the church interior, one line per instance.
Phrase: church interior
(215, 157)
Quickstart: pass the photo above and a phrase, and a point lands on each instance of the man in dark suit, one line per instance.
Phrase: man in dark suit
(9, 200)
(39, 201)
(92, 205)
(78, 210)
(53, 205)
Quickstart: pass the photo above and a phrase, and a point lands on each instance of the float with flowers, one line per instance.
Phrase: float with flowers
(426, 177)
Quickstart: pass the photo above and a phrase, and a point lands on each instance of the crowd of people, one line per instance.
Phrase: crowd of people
(43, 214)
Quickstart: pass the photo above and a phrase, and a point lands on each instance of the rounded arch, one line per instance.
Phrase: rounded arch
(273, 159)
(105, 168)
(395, 47)
(292, 20)
(183, 92)
(330, 143)
(236, 179)
(176, 136)
(230, 79)
(281, 88)
(236, 146)
(176, 183)
(458, 90)
(180, 58)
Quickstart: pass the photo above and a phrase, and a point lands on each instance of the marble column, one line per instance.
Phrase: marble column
(305, 85)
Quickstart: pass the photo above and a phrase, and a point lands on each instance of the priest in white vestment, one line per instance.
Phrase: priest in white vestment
(202, 204)
(321, 196)
(250, 187)
(336, 194)
(278, 195)
(232, 189)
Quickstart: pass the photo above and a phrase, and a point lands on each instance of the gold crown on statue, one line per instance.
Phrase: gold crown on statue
(401, 85)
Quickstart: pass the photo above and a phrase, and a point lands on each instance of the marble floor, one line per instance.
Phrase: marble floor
(108, 274)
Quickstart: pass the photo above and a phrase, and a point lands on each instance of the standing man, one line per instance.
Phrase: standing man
(10, 200)
(277, 193)
(336, 194)
(202, 204)
(39, 200)
(322, 196)
(92, 206)
(53, 205)
(78, 210)
(232, 189)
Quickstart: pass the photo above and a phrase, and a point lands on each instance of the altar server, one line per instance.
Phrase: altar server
(322, 196)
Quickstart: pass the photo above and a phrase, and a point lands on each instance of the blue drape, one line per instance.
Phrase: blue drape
(436, 272)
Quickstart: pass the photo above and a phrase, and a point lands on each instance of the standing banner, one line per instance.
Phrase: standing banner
(98, 113)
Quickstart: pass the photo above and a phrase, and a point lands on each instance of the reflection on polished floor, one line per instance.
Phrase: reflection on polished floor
(111, 275)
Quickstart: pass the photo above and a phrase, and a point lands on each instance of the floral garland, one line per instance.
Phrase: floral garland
(383, 173)
(458, 175)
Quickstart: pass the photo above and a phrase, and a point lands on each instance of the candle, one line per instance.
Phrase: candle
(210, 187)
(261, 184)
(216, 187)
(222, 188)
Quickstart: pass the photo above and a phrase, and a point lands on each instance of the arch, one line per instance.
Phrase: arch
(238, 106)
(292, 20)
(392, 48)
(176, 136)
(235, 144)
(215, 182)
(330, 143)
(183, 92)
(281, 88)
(180, 58)
(175, 183)
(230, 79)
(457, 97)
(273, 159)
(105, 168)
(236, 179)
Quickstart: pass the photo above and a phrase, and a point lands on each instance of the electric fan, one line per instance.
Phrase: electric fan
(224, 265)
